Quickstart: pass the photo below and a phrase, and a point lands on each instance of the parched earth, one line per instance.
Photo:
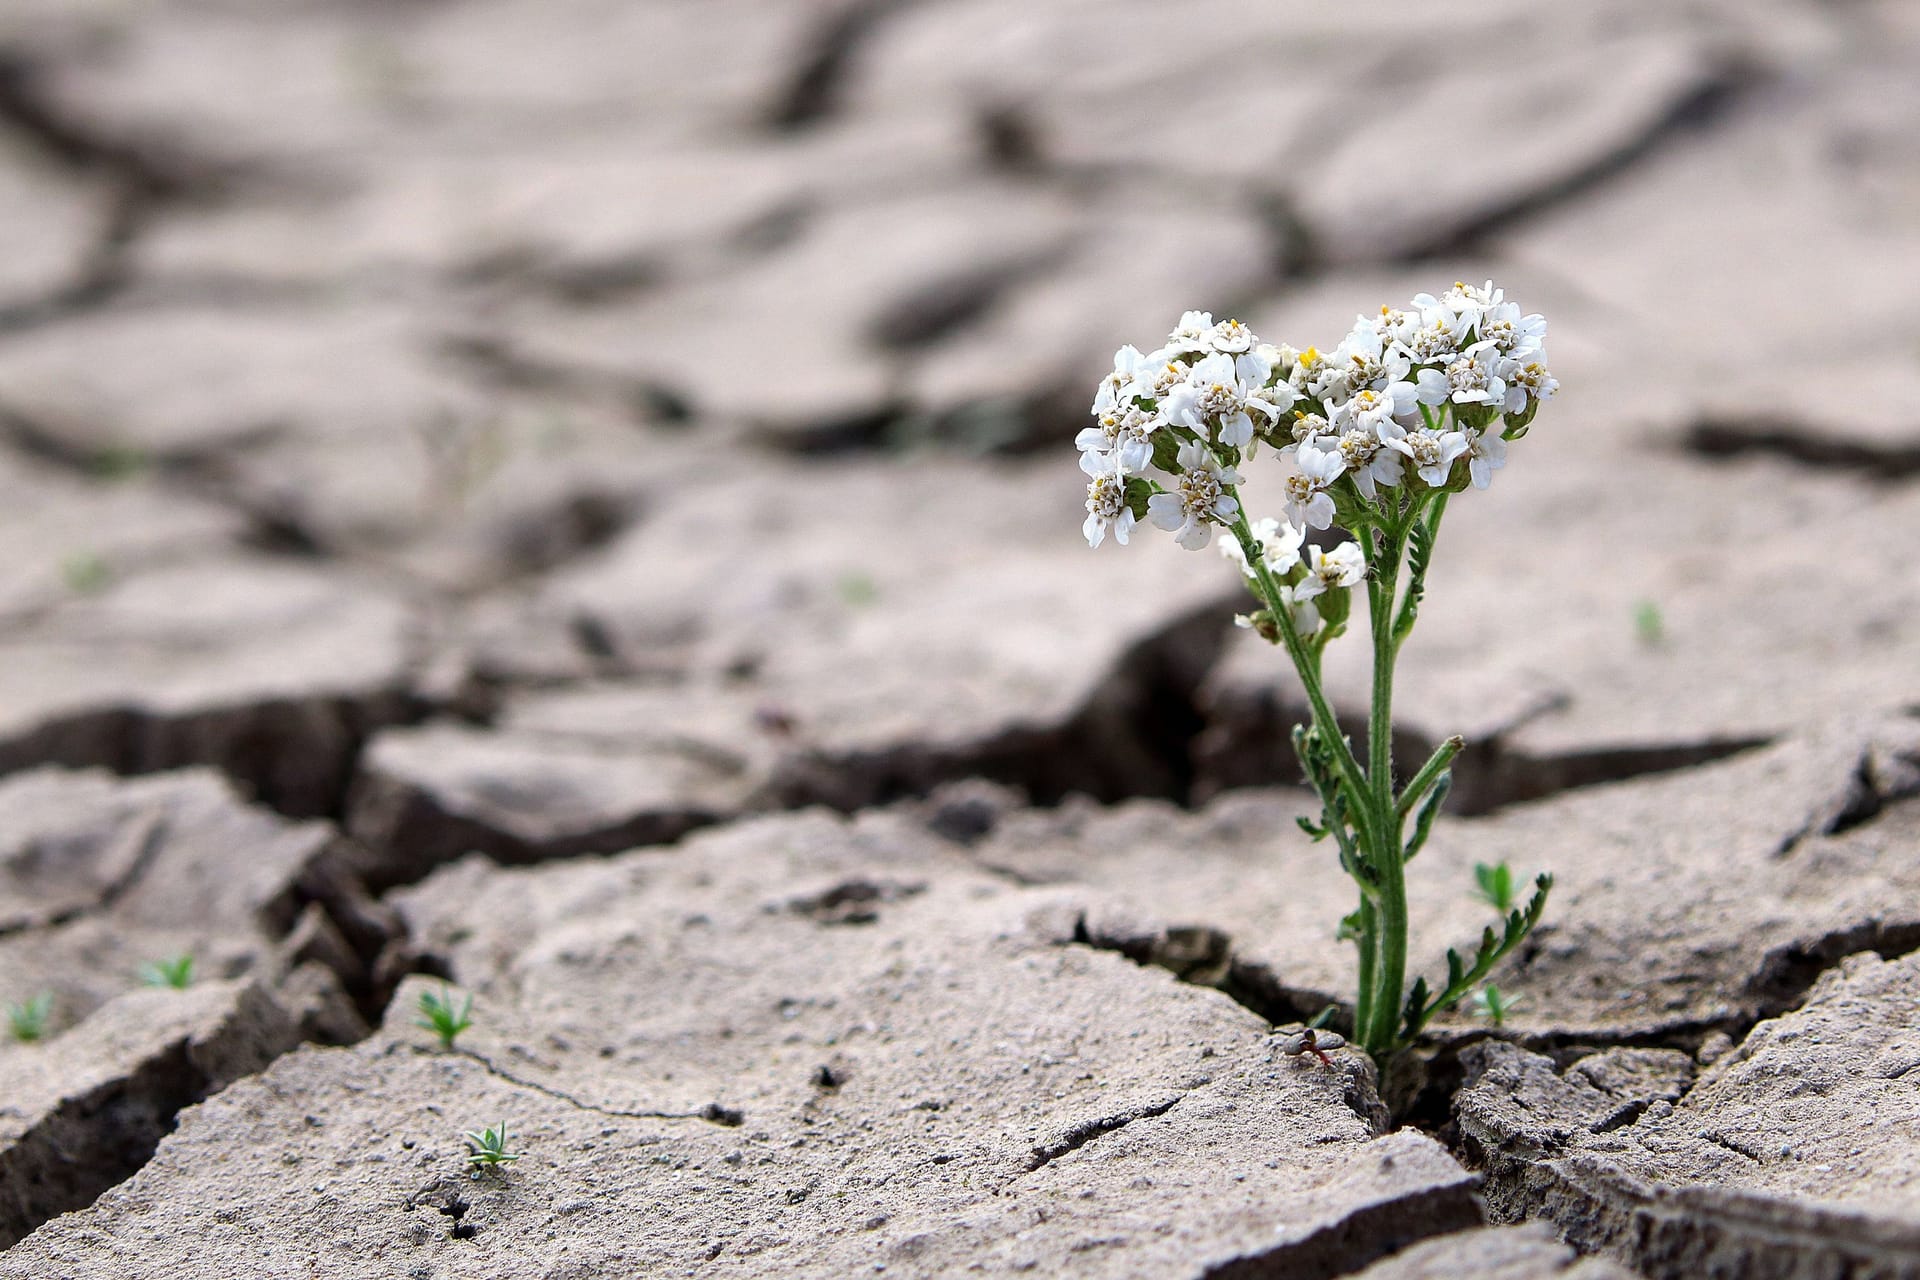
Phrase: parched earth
(568, 501)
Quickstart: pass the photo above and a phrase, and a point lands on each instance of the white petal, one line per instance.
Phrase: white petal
(1165, 511)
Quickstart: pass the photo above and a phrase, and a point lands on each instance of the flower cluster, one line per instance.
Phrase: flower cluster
(1428, 395)
(1414, 405)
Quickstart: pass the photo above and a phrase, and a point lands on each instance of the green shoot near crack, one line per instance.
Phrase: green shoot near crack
(1493, 885)
(487, 1149)
(27, 1021)
(1491, 1003)
(176, 972)
(1648, 624)
(438, 1015)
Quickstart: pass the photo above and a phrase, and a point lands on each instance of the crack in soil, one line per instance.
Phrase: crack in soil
(1488, 775)
(1087, 1130)
(1719, 94)
(713, 1113)
(811, 94)
(1720, 438)
(1361, 1238)
(139, 177)
(97, 1139)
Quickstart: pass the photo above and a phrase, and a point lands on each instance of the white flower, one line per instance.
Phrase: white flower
(1486, 454)
(1122, 438)
(1231, 337)
(1279, 546)
(1469, 379)
(1307, 369)
(1107, 508)
(1368, 461)
(1362, 361)
(1392, 323)
(1130, 377)
(1465, 301)
(1370, 409)
(1307, 500)
(1163, 378)
(1436, 340)
(1307, 429)
(1305, 615)
(1102, 437)
(1528, 381)
(1432, 452)
(1513, 335)
(1189, 337)
(1271, 402)
(1212, 394)
(1330, 570)
(1198, 500)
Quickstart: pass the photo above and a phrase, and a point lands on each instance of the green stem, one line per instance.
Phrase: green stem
(1429, 772)
(1378, 1031)
(1323, 717)
(1369, 927)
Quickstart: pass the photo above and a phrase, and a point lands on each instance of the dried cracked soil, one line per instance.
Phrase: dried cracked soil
(568, 500)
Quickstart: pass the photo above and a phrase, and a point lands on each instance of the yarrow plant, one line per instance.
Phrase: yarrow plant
(1414, 405)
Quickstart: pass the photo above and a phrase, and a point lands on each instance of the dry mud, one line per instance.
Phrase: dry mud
(569, 500)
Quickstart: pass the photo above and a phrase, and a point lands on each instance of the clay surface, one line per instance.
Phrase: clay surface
(826, 1046)
(571, 499)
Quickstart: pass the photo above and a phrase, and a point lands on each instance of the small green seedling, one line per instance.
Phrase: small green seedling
(176, 973)
(86, 573)
(1490, 1003)
(438, 1015)
(119, 462)
(858, 589)
(28, 1019)
(1493, 885)
(1648, 624)
(487, 1149)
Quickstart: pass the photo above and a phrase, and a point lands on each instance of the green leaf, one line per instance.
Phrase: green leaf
(1416, 1001)
(1351, 511)
(1429, 810)
(1494, 883)
(1419, 556)
(1335, 606)
(1138, 491)
(1166, 449)
(1463, 976)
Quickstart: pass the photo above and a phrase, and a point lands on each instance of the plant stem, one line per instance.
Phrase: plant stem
(1430, 771)
(1364, 943)
(1323, 717)
(1377, 1030)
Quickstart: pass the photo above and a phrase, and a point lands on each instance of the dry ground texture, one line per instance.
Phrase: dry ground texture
(574, 498)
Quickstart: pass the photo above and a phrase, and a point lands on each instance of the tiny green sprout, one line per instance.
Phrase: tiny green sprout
(438, 1015)
(176, 973)
(1648, 624)
(86, 573)
(28, 1019)
(487, 1149)
(1494, 885)
(118, 462)
(858, 589)
(1490, 1003)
